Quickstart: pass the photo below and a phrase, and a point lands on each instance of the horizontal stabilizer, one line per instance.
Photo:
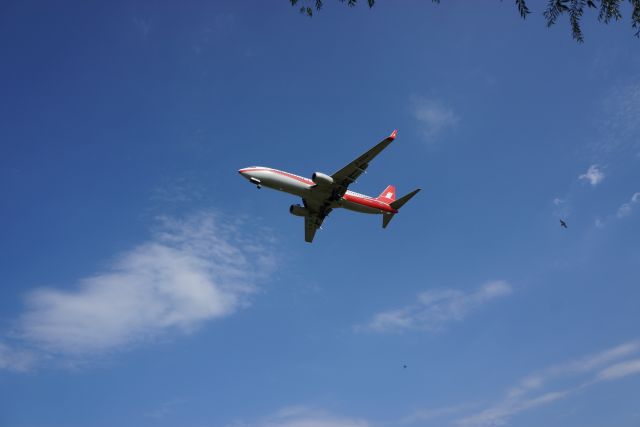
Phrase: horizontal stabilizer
(402, 200)
(386, 219)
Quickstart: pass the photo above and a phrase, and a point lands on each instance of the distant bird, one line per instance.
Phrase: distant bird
(404, 366)
(563, 224)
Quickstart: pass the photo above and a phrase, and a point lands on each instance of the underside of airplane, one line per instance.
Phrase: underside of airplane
(323, 193)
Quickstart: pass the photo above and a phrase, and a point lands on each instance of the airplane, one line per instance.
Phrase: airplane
(563, 224)
(323, 193)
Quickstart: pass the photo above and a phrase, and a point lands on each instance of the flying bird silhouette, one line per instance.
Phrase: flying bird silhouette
(563, 224)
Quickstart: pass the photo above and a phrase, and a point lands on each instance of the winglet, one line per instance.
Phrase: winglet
(393, 135)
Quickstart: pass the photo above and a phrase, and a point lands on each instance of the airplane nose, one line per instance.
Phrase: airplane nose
(245, 173)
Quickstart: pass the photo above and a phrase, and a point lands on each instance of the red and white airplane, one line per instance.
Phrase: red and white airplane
(323, 193)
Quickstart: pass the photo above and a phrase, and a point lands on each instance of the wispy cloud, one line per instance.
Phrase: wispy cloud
(532, 391)
(434, 309)
(561, 207)
(191, 271)
(180, 190)
(166, 408)
(498, 415)
(303, 416)
(594, 361)
(626, 208)
(620, 370)
(434, 117)
(593, 175)
(422, 415)
(620, 127)
(16, 360)
(143, 25)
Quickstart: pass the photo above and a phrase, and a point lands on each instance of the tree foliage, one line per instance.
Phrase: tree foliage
(608, 10)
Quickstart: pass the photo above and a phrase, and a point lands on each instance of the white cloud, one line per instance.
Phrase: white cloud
(620, 127)
(529, 393)
(143, 25)
(166, 408)
(433, 116)
(302, 416)
(498, 415)
(191, 271)
(16, 360)
(561, 207)
(594, 361)
(626, 208)
(594, 175)
(420, 416)
(620, 370)
(434, 309)
(183, 189)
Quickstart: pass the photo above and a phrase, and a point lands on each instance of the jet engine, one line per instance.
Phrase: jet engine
(298, 210)
(320, 178)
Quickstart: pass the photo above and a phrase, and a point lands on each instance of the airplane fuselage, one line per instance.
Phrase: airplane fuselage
(323, 193)
(301, 186)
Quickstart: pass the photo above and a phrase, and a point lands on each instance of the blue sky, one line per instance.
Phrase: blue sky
(145, 283)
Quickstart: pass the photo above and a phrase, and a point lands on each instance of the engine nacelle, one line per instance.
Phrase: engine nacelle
(320, 178)
(298, 210)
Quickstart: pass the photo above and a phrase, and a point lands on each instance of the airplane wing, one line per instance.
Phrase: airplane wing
(353, 170)
(324, 194)
(311, 224)
(313, 220)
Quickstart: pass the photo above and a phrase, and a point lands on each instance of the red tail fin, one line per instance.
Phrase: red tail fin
(388, 195)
